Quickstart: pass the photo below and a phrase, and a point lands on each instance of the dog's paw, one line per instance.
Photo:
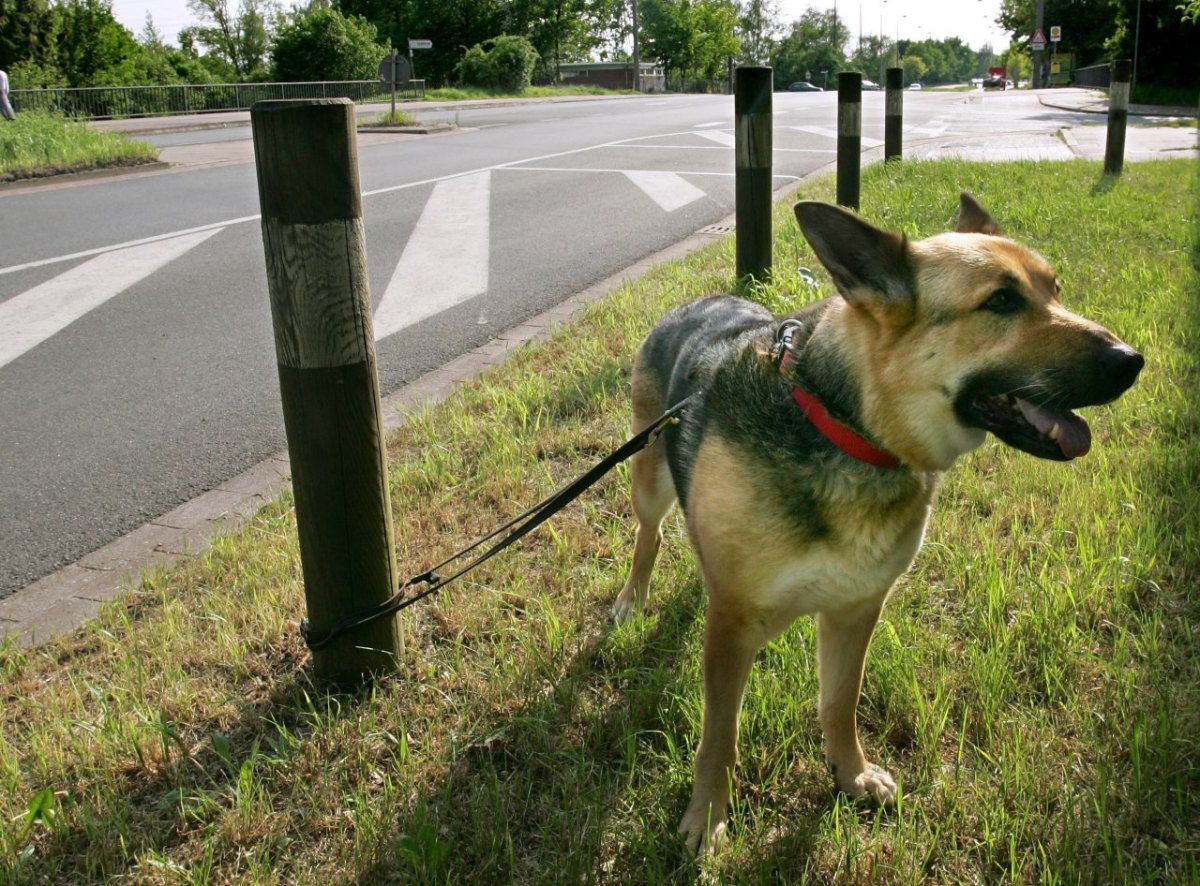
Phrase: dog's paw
(625, 607)
(873, 784)
(701, 833)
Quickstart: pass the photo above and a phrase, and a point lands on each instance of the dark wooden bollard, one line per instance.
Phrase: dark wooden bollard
(893, 111)
(315, 247)
(1118, 114)
(753, 120)
(849, 143)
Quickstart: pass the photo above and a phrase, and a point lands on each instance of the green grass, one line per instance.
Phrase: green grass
(36, 144)
(389, 118)
(1033, 682)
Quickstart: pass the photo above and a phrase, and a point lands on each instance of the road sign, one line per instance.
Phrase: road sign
(420, 44)
(394, 71)
(1055, 33)
(1038, 43)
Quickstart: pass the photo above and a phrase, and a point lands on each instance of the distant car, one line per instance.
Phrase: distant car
(804, 86)
(871, 86)
(916, 86)
(1008, 84)
(995, 83)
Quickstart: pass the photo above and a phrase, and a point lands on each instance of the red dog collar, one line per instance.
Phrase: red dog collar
(841, 436)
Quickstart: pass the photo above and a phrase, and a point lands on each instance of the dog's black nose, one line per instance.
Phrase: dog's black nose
(1121, 365)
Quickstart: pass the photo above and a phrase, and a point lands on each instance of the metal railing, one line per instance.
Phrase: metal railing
(1093, 75)
(100, 102)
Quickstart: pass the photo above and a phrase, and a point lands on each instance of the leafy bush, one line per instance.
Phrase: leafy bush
(326, 45)
(503, 63)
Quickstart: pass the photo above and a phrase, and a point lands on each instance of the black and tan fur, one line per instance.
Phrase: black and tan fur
(929, 345)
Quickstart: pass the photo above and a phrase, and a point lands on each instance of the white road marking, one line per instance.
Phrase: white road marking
(101, 250)
(932, 129)
(445, 261)
(28, 319)
(668, 189)
(725, 138)
(833, 133)
(708, 125)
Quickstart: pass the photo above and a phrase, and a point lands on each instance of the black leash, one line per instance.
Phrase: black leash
(520, 526)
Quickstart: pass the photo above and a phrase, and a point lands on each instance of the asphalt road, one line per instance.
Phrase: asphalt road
(136, 361)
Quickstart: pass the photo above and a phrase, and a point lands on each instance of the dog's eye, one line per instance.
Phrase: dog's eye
(1005, 300)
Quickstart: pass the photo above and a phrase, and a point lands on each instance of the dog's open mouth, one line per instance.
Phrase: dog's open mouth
(1038, 430)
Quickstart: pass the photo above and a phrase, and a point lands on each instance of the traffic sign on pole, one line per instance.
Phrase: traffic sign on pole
(1038, 43)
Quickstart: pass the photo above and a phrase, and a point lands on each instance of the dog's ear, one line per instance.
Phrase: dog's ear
(973, 218)
(868, 264)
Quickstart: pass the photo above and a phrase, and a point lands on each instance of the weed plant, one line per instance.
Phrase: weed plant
(37, 143)
(1033, 682)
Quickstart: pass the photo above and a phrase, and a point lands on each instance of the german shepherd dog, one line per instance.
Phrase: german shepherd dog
(807, 460)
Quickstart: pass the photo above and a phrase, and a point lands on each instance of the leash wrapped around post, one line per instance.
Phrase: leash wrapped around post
(516, 528)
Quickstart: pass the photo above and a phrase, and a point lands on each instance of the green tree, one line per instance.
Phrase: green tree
(28, 32)
(241, 37)
(91, 43)
(1097, 31)
(914, 68)
(759, 26)
(451, 25)
(560, 30)
(504, 63)
(326, 45)
(814, 48)
(689, 38)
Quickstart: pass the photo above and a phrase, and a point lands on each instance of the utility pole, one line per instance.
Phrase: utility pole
(637, 53)
(1039, 17)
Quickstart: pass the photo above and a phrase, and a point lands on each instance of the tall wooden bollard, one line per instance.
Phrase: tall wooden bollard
(753, 120)
(1118, 114)
(315, 245)
(849, 142)
(893, 114)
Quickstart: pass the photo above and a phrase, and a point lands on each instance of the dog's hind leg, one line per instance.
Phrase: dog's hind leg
(653, 496)
(842, 639)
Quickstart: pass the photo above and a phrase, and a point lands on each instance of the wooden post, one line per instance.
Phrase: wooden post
(1118, 114)
(893, 119)
(753, 121)
(315, 247)
(849, 143)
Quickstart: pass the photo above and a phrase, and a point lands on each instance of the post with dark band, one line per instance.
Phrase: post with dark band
(752, 167)
(849, 143)
(1118, 114)
(315, 246)
(893, 115)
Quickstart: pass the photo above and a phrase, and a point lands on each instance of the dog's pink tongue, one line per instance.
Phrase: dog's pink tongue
(1074, 437)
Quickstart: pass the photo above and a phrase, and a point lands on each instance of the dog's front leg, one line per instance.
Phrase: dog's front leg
(842, 639)
(729, 650)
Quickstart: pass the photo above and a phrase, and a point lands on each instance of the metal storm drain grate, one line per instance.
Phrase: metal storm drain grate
(716, 230)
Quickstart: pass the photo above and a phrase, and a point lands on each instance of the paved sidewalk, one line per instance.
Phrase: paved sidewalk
(64, 600)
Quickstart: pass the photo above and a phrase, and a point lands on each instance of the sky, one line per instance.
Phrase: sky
(972, 21)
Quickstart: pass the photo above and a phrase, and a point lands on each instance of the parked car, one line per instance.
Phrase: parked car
(995, 83)
(871, 86)
(804, 86)
(915, 86)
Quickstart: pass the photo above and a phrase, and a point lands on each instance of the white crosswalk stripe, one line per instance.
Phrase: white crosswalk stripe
(668, 189)
(445, 261)
(866, 141)
(28, 319)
